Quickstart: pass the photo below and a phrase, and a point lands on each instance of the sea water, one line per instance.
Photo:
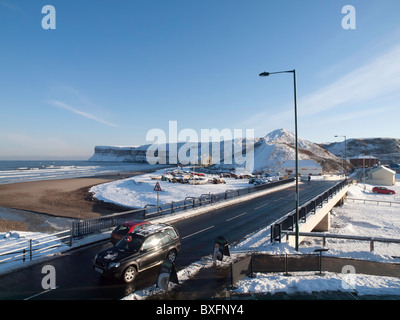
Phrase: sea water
(22, 171)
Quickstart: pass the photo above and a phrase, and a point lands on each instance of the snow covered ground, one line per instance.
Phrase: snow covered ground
(138, 191)
(355, 218)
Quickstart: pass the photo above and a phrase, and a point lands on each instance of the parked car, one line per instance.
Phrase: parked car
(218, 181)
(258, 181)
(127, 227)
(138, 251)
(383, 190)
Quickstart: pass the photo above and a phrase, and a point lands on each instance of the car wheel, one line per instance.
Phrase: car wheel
(390, 193)
(129, 274)
(171, 256)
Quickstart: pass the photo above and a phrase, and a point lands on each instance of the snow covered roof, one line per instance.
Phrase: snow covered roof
(384, 169)
(362, 156)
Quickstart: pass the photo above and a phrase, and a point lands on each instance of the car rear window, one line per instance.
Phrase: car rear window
(171, 232)
(122, 230)
(131, 242)
(152, 242)
(140, 227)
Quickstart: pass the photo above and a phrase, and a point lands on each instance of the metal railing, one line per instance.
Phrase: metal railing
(92, 225)
(30, 248)
(372, 200)
(325, 236)
(287, 223)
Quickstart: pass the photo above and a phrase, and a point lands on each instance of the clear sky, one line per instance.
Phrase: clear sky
(111, 71)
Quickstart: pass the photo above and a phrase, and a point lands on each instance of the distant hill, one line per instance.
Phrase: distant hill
(387, 150)
(269, 152)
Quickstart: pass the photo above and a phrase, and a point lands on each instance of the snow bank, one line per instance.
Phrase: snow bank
(308, 282)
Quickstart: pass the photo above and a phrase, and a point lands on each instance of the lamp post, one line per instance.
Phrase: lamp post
(345, 155)
(266, 74)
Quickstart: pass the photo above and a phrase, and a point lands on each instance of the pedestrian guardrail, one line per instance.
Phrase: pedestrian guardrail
(325, 236)
(29, 248)
(374, 201)
(92, 225)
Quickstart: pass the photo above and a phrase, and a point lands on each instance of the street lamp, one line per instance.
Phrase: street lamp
(345, 154)
(266, 74)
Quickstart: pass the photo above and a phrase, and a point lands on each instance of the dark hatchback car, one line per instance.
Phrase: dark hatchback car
(138, 251)
(127, 227)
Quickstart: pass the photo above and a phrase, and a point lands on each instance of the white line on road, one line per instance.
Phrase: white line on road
(275, 200)
(40, 293)
(264, 205)
(239, 215)
(197, 232)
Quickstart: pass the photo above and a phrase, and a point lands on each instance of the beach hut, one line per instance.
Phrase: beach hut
(382, 176)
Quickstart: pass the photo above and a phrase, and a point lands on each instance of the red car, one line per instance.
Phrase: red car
(127, 227)
(383, 190)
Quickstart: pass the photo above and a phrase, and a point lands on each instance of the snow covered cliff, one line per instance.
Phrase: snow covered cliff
(269, 152)
(279, 146)
(119, 154)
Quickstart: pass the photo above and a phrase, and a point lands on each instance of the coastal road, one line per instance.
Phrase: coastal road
(76, 279)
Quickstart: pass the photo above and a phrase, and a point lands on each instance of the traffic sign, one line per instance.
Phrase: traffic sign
(157, 187)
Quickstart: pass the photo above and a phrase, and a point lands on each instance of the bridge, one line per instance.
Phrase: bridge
(314, 215)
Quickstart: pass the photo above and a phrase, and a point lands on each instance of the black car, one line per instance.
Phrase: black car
(138, 251)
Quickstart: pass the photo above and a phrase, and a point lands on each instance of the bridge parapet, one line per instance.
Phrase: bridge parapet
(313, 215)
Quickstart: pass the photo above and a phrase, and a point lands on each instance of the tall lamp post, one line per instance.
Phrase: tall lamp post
(345, 155)
(266, 74)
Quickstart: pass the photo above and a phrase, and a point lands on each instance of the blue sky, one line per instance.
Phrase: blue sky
(113, 70)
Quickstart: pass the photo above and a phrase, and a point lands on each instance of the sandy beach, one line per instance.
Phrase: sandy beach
(68, 198)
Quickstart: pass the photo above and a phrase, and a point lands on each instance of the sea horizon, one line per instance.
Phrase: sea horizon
(12, 171)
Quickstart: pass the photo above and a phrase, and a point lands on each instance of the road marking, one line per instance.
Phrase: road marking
(40, 293)
(275, 200)
(239, 215)
(264, 205)
(197, 232)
